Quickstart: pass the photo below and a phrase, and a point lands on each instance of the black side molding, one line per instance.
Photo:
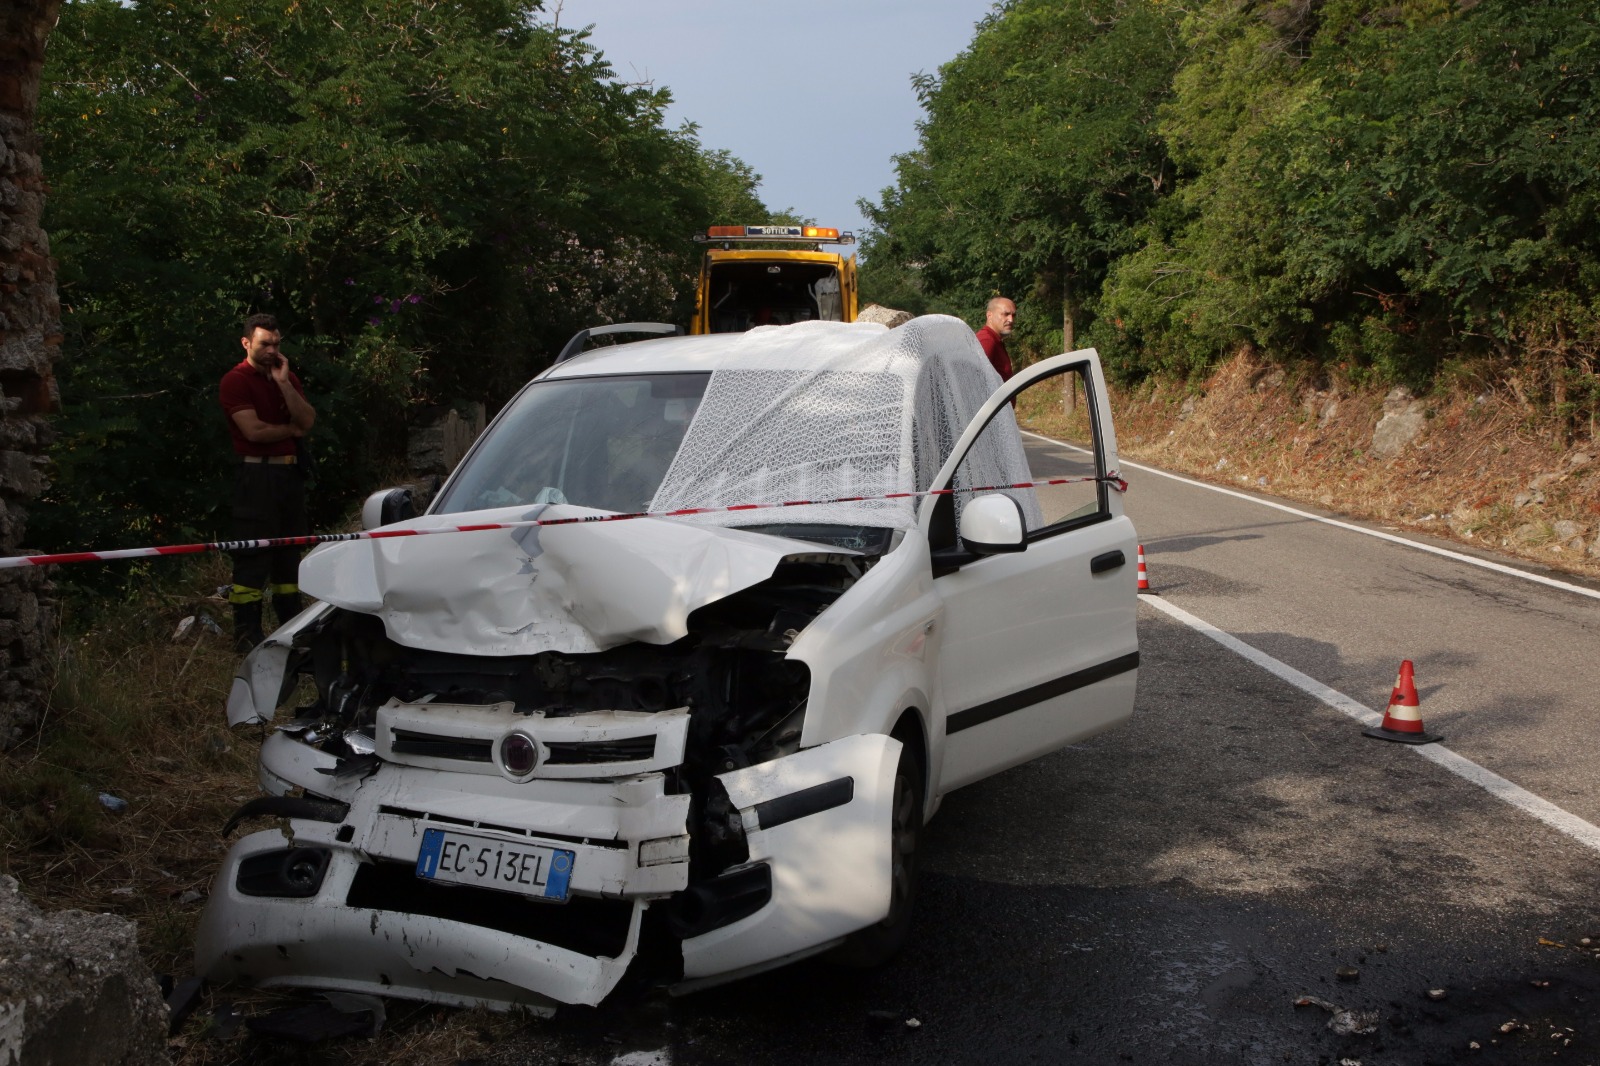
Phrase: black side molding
(988, 712)
(1109, 561)
(316, 810)
(808, 801)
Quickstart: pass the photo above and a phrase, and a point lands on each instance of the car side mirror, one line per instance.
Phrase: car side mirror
(993, 524)
(386, 507)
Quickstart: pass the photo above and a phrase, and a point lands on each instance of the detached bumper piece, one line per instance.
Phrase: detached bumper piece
(375, 927)
(339, 904)
(336, 901)
(820, 819)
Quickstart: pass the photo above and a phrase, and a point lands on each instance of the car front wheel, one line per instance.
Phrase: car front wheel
(877, 944)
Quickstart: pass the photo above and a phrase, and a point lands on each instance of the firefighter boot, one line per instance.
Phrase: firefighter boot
(285, 605)
(247, 626)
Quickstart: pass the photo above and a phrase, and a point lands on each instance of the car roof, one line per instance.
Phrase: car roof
(704, 352)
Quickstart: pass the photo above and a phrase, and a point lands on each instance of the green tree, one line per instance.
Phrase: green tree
(432, 197)
(1387, 185)
(1037, 157)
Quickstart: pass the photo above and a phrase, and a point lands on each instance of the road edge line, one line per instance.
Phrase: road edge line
(1562, 821)
(1461, 557)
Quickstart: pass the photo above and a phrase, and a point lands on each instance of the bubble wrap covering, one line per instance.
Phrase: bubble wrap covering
(819, 410)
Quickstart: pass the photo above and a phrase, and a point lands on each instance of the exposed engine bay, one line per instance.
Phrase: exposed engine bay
(746, 701)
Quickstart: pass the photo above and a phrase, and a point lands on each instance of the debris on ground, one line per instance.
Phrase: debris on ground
(1316, 1001)
(627, 1058)
(1354, 1022)
(1344, 1022)
(1436, 994)
(340, 1014)
(114, 804)
(881, 1021)
(182, 995)
(226, 1021)
(1347, 973)
(203, 619)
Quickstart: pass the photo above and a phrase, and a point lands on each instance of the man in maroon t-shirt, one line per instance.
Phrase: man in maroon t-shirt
(999, 318)
(267, 416)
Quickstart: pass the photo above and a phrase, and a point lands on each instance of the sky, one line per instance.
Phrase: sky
(816, 96)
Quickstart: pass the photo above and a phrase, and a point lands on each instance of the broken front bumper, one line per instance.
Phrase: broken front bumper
(338, 904)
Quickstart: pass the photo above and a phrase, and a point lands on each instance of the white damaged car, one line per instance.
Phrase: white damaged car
(511, 766)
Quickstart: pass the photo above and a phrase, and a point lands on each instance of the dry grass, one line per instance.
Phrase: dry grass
(1487, 468)
(139, 716)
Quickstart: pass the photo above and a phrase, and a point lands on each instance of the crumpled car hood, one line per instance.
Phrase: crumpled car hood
(577, 589)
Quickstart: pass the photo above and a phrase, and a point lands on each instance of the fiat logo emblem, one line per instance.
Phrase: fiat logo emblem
(519, 755)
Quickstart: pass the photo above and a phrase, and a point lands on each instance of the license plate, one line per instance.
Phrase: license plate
(464, 859)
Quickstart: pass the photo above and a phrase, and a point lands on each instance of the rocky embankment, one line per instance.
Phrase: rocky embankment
(1482, 467)
(73, 989)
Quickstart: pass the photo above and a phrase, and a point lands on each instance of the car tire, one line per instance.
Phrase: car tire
(877, 944)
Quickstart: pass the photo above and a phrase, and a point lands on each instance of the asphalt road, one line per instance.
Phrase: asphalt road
(1507, 670)
(1167, 891)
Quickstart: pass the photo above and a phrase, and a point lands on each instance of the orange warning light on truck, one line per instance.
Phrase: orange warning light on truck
(788, 278)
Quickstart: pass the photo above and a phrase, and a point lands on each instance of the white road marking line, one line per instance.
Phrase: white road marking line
(1446, 552)
(1560, 820)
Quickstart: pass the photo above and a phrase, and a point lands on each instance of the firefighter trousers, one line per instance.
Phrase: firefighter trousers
(269, 500)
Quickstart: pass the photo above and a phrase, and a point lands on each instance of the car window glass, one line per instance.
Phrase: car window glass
(1046, 434)
(597, 442)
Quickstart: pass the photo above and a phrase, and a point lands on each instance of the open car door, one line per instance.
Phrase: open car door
(1040, 647)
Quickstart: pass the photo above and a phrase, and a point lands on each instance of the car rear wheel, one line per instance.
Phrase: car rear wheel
(877, 944)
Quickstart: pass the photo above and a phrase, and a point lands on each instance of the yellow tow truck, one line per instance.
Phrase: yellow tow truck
(741, 288)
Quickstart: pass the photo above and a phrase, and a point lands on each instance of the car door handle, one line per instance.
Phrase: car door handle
(1109, 561)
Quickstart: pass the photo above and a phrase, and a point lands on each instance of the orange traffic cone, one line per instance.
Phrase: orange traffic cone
(1402, 719)
(1144, 577)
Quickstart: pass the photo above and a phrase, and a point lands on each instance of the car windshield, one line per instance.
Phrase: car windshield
(843, 426)
(601, 442)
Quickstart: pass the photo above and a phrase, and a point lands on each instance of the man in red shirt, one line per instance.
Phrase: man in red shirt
(1001, 314)
(267, 416)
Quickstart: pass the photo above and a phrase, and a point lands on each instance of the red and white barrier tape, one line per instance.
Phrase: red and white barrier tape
(14, 561)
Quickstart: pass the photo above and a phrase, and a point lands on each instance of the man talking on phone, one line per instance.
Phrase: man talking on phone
(268, 415)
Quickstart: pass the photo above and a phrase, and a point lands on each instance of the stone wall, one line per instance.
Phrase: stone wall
(441, 438)
(30, 338)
